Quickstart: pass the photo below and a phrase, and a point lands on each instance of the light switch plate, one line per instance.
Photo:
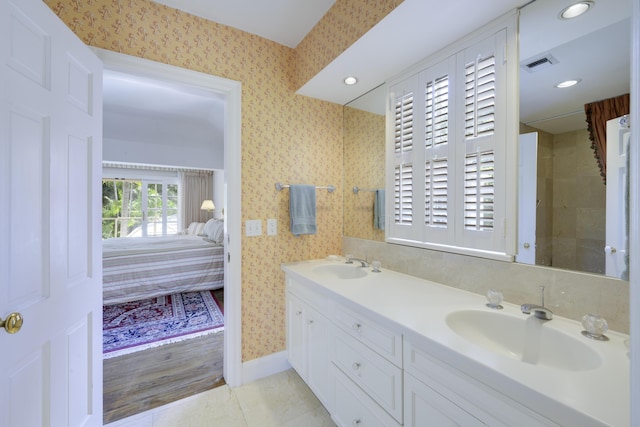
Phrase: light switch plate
(253, 227)
(272, 227)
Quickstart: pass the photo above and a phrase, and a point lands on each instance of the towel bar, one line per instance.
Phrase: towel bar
(330, 188)
(357, 189)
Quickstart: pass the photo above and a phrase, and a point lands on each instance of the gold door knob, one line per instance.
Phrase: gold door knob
(12, 323)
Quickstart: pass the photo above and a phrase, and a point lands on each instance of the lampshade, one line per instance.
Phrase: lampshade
(207, 205)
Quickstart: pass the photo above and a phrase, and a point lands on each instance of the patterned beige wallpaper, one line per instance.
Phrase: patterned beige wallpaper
(344, 23)
(285, 137)
(364, 142)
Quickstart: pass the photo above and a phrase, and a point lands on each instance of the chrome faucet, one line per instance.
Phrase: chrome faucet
(539, 311)
(362, 262)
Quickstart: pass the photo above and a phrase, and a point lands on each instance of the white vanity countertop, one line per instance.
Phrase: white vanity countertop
(417, 308)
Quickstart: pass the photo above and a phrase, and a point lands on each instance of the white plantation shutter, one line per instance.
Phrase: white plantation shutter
(448, 148)
(438, 84)
(436, 194)
(404, 103)
(437, 112)
(403, 178)
(404, 123)
(482, 212)
(479, 191)
(480, 96)
(403, 194)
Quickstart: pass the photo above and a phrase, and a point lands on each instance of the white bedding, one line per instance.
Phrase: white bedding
(147, 267)
(138, 245)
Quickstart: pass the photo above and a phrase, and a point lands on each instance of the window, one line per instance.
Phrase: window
(449, 151)
(136, 208)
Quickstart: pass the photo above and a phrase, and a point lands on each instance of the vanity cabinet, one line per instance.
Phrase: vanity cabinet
(434, 390)
(308, 339)
(379, 350)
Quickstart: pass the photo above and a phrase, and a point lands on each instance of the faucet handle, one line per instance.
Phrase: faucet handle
(595, 326)
(495, 298)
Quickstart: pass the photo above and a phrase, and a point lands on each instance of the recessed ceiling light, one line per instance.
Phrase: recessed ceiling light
(350, 80)
(568, 83)
(575, 10)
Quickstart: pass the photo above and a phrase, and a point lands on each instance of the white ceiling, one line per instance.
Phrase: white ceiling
(377, 56)
(594, 47)
(284, 21)
(155, 112)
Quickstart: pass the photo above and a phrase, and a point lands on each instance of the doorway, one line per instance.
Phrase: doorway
(230, 90)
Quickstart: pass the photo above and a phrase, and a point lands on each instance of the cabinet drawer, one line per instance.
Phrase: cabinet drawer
(384, 341)
(480, 401)
(379, 378)
(353, 408)
(315, 299)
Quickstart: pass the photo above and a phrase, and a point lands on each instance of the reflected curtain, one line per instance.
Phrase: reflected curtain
(598, 113)
(195, 186)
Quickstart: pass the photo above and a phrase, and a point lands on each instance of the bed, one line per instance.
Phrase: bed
(146, 267)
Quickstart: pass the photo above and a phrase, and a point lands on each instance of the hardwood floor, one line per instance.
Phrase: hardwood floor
(144, 380)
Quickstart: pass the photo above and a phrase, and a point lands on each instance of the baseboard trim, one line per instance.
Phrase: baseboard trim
(264, 366)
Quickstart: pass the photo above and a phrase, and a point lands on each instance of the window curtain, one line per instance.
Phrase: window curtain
(598, 113)
(195, 187)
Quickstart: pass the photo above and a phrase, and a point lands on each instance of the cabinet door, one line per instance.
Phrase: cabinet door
(423, 406)
(295, 335)
(355, 408)
(317, 328)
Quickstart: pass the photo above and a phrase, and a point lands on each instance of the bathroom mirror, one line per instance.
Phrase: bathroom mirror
(593, 48)
(564, 224)
(364, 141)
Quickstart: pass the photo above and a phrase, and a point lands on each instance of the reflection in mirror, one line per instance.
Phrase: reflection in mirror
(562, 199)
(364, 142)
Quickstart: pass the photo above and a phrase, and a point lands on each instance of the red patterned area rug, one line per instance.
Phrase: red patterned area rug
(138, 325)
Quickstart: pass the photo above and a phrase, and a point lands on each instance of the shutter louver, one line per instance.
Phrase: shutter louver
(437, 112)
(404, 123)
(436, 192)
(479, 191)
(403, 192)
(480, 97)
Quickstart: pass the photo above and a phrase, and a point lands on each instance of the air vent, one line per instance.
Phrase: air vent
(538, 63)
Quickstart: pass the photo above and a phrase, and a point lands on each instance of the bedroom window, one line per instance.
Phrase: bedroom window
(138, 208)
(447, 147)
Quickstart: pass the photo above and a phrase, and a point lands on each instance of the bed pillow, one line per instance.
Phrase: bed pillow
(195, 229)
(214, 230)
(200, 229)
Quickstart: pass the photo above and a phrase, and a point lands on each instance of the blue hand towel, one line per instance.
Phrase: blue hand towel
(302, 209)
(378, 210)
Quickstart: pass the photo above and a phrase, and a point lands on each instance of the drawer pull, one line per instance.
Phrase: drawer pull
(357, 326)
(310, 321)
(356, 366)
(298, 313)
(356, 422)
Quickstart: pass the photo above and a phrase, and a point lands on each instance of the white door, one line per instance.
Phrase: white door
(527, 203)
(617, 200)
(50, 249)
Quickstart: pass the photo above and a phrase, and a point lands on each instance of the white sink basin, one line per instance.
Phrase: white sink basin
(525, 338)
(341, 271)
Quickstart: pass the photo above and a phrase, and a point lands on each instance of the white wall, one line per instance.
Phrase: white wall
(166, 142)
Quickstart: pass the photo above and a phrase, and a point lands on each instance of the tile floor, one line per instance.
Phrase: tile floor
(280, 400)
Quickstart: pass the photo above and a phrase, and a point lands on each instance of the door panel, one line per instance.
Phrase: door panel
(50, 262)
(527, 195)
(28, 238)
(616, 261)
